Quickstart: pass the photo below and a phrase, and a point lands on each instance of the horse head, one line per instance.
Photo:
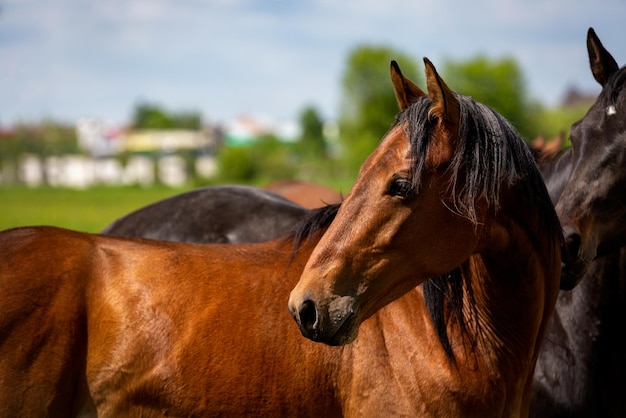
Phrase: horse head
(593, 219)
(423, 202)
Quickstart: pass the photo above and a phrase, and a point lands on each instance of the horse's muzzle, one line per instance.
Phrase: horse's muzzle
(335, 325)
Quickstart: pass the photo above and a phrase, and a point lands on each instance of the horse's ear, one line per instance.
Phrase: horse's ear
(601, 61)
(407, 92)
(445, 106)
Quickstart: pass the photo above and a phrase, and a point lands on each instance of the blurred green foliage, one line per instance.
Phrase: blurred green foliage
(153, 116)
(499, 84)
(312, 142)
(266, 160)
(368, 103)
(329, 156)
(45, 138)
(551, 122)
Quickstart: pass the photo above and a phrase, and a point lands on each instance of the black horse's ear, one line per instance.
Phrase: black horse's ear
(601, 61)
(407, 92)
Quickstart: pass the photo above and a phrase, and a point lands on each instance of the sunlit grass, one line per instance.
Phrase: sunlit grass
(84, 210)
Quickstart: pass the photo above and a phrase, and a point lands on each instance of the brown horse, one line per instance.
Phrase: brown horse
(309, 195)
(93, 325)
(108, 326)
(547, 150)
(445, 194)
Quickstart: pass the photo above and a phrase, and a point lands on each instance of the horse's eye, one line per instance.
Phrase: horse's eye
(400, 187)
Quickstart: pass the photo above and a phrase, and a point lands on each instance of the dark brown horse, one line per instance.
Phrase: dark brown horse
(445, 194)
(591, 202)
(131, 327)
(581, 368)
(310, 195)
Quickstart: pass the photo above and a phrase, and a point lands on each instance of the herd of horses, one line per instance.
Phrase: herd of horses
(464, 274)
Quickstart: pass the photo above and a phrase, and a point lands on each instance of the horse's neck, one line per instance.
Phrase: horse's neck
(505, 297)
(494, 354)
(515, 275)
(399, 365)
(596, 308)
(582, 360)
(399, 346)
(514, 288)
(600, 297)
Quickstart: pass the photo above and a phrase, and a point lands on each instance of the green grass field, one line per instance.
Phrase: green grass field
(92, 209)
(83, 210)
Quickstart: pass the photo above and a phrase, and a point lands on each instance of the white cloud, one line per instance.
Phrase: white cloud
(225, 57)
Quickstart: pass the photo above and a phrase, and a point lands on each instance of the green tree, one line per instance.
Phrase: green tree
(312, 141)
(369, 105)
(266, 160)
(59, 138)
(499, 84)
(187, 120)
(236, 164)
(46, 138)
(152, 116)
(550, 122)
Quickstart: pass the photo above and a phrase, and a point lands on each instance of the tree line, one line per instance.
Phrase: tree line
(366, 111)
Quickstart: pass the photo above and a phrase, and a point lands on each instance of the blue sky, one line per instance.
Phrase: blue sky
(68, 59)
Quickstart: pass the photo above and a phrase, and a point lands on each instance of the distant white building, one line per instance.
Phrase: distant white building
(167, 141)
(245, 130)
(97, 139)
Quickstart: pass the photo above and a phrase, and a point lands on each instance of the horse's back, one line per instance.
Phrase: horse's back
(43, 272)
(181, 329)
(216, 214)
(309, 195)
(201, 330)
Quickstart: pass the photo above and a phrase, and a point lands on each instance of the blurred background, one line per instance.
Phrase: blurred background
(108, 106)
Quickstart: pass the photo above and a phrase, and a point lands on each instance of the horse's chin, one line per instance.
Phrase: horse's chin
(343, 334)
(572, 272)
(346, 333)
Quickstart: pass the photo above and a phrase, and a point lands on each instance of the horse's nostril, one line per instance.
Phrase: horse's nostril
(308, 316)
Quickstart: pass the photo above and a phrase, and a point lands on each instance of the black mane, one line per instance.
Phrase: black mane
(316, 220)
(489, 153)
